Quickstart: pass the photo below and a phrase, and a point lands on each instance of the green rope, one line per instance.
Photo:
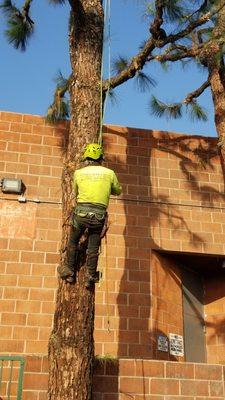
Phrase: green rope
(107, 22)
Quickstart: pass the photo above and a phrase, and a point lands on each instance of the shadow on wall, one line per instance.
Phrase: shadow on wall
(146, 214)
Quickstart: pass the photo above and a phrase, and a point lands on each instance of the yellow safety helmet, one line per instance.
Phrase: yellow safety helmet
(93, 151)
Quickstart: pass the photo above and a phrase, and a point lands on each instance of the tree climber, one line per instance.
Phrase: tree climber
(92, 186)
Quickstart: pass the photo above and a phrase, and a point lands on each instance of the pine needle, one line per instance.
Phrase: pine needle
(19, 32)
(20, 25)
(56, 2)
(143, 81)
(196, 112)
(57, 111)
(160, 109)
(119, 64)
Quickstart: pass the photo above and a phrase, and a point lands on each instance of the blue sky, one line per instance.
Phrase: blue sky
(27, 79)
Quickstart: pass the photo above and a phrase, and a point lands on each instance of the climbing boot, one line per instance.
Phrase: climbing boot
(66, 273)
(92, 279)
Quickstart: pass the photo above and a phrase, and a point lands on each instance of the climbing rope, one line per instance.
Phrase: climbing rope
(107, 39)
(106, 286)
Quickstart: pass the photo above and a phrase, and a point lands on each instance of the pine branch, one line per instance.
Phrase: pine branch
(160, 109)
(8, 8)
(174, 110)
(155, 28)
(176, 55)
(172, 38)
(137, 62)
(59, 109)
(20, 25)
(196, 93)
(173, 10)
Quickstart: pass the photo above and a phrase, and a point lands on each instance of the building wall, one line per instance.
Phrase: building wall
(173, 200)
(137, 379)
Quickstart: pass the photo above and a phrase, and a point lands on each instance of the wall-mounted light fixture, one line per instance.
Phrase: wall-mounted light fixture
(13, 186)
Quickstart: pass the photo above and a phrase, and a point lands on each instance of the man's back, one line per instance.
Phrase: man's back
(94, 184)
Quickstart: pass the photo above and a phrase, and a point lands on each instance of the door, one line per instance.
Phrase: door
(193, 315)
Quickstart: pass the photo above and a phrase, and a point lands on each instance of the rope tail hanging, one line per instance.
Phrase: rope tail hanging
(107, 288)
(106, 39)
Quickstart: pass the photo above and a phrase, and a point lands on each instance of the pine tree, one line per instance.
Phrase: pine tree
(205, 46)
(71, 346)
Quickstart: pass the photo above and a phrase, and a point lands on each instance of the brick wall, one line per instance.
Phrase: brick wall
(172, 201)
(137, 379)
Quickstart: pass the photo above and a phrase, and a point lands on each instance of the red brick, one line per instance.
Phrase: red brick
(33, 364)
(25, 333)
(16, 293)
(36, 346)
(13, 319)
(32, 257)
(8, 280)
(9, 255)
(194, 388)
(134, 385)
(127, 368)
(107, 385)
(209, 372)
(30, 395)
(33, 119)
(165, 386)
(30, 281)
(149, 368)
(43, 270)
(35, 381)
(20, 127)
(45, 364)
(43, 294)
(4, 126)
(44, 333)
(40, 149)
(179, 371)
(11, 117)
(39, 320)
(5, 332)
(217, 389)
(140, 351)
(30, 138)
(39, 170)
(9, 137)
(11, 346)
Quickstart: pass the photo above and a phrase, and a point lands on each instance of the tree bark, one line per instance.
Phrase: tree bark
(71, 345)
(216, 69)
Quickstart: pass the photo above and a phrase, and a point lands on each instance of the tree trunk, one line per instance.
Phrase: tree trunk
(213, 59)
(71, 345)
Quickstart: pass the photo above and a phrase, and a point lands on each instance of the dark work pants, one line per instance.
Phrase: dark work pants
(94, 226)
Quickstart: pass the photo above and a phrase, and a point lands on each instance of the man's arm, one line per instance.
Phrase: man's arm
(116, 189)
(75, 187)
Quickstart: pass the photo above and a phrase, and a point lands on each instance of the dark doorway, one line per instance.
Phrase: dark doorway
(193, 316)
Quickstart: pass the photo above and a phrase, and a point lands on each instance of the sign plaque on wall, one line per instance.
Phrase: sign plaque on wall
(176, 345)
(163, 343)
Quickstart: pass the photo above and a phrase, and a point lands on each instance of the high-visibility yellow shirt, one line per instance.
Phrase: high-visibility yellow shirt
(94, 184)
